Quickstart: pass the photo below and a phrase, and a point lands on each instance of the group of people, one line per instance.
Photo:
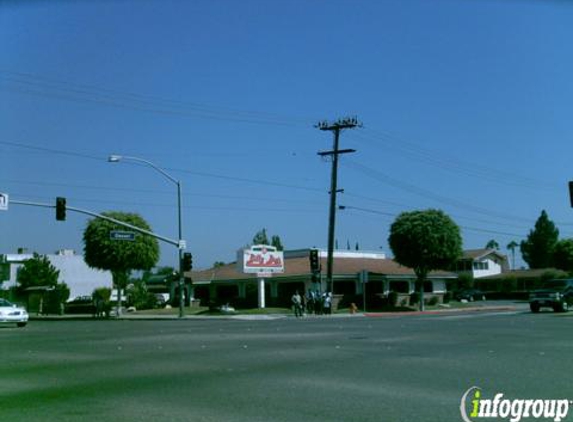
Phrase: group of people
(312, 303)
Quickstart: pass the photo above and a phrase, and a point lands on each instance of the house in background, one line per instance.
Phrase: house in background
(78, 276)
(482, 263)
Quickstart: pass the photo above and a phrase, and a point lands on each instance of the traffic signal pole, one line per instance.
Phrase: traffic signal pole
(181, 274)
(103, 217)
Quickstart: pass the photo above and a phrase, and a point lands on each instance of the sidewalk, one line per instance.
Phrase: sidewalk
(134, 316)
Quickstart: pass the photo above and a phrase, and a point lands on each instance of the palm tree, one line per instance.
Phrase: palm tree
(511, 247)
(492, 244)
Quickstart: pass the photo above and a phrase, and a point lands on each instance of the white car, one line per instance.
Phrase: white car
(10, 313)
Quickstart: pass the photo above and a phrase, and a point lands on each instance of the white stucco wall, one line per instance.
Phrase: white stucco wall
(493, 268)
(81, 279)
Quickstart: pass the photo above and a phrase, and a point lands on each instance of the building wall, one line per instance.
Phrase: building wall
(486, 267)
(80, 278)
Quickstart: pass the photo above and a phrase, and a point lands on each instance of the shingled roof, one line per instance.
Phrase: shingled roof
(300, 267)
(481, 253)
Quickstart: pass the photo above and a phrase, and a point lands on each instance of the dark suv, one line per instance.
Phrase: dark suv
(556, 294)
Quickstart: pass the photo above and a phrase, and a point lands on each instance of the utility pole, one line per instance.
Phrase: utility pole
(335, 128)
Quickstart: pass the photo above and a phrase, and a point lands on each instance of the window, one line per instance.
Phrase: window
(481, 265)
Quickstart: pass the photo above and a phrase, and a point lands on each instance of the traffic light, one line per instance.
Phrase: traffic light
(314, 261)
(60, 208)
(187, 261)
(571, 192)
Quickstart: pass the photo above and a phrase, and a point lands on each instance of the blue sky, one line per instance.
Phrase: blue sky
(465, 104)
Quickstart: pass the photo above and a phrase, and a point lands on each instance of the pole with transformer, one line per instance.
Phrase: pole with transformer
(334, 127)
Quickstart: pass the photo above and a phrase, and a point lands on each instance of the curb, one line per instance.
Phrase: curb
(273, 317)
(443, 311)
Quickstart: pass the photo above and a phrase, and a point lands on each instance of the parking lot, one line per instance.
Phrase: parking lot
(397, 368)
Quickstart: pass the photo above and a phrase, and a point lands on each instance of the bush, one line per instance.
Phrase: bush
(55, 299)
(466, 281)
(139, 297)
(392, 299)
(433, 301)
(414, 298)
(448, 297)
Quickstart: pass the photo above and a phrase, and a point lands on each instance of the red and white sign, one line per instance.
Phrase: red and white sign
(263, 259)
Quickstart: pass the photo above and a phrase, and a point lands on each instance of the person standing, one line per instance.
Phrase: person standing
(327, 303)
(297, 304)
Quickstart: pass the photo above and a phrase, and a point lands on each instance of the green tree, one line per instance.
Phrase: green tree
(276, 242)
(119, 256)
(425, 241)
(260, 238)
(492, 244)
(563, 255)
(537, 249)
(164, 271)
(37, 271)
(511, 247)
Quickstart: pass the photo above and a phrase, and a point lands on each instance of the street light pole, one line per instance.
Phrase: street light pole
(117, 158)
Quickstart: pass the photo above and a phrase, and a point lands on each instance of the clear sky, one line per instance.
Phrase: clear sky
(465, 104)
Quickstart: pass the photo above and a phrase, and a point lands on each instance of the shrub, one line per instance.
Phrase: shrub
(392, 299)
(448, 297)
(466, 281)
(433, 301)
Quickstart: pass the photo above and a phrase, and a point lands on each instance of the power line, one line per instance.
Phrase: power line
(155, 204)
(27, 83)
(448, 163)
(52, 150)
(377, 175)
(195, 173)
(386, 214)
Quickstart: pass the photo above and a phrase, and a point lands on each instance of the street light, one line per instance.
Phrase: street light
(116, 159)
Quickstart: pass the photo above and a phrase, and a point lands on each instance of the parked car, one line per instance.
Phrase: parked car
(11, 313)
(80, 305)
(555, 294)
(470, 295)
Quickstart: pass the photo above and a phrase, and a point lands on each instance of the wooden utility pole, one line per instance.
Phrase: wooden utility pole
(335, 128)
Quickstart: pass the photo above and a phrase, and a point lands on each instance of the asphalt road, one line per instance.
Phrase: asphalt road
(408, 368)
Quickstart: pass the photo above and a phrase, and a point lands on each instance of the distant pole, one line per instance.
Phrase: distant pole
(336, 127)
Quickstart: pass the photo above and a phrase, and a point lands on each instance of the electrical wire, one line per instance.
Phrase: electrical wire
(178, 170)
(382, 177)
(386, 214)
(30, 84)
(438, 159)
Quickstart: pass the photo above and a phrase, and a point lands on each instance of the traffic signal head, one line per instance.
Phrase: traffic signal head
(314, 261)
(60, 208)
(187, 264)
(571, 192)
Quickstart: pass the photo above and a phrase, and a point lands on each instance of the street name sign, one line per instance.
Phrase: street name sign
(122, 235)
